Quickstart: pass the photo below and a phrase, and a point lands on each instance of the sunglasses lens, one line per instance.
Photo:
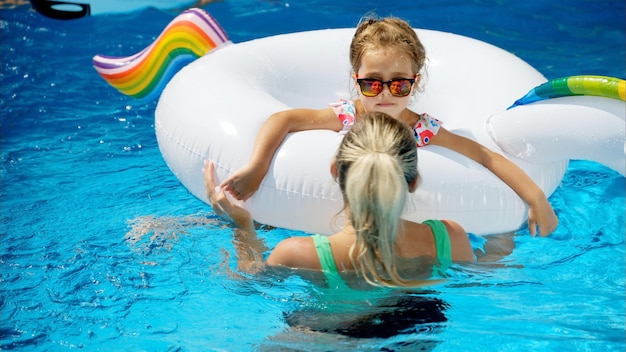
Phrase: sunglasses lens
(400, 87)
(371, 88)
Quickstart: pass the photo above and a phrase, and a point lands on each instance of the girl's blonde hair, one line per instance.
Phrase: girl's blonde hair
(376, 162)
(386, 33)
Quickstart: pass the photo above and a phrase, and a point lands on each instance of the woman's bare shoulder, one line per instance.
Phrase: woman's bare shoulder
(295, 252)
(461, 246)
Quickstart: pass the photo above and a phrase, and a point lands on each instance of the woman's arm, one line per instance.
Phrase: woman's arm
(249, 247)
(294, 252)
(540, 213)
(244, 182)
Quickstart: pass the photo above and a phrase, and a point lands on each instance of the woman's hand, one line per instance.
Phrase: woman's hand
(222, 206)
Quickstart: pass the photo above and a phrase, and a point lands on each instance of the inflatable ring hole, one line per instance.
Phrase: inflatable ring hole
(61, 10)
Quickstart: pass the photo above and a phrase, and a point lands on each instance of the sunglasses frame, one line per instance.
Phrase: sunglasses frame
(383, 83)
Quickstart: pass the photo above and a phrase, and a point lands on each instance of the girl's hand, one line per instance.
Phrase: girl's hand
(222, 206)
(541, 215)
(243, 183)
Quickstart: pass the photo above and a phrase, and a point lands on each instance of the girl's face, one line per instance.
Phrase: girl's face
(385, 65)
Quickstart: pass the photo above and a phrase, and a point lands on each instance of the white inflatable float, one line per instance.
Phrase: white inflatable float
(214, 106)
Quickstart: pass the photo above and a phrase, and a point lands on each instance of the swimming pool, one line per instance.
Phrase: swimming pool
(80, 162)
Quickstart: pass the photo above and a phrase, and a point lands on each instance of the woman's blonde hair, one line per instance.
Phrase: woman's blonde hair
(386, 33)
(376, 162)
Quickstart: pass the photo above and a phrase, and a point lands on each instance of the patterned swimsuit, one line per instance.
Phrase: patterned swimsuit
(426, 127)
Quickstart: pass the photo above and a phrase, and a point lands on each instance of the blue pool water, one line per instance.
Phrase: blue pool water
(81, 172)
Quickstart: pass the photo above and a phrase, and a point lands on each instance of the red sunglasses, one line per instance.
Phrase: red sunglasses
(399, 87)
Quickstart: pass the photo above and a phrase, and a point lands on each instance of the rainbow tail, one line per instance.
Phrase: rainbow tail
(602, 86)
(144, 75)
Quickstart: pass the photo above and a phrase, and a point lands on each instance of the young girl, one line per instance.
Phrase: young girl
(376, 168)
(386, 58)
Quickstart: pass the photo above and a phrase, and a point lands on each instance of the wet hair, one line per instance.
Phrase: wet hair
(376, 162)
(386, 33)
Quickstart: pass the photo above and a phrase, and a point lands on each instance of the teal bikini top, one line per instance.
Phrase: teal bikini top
(327, 261)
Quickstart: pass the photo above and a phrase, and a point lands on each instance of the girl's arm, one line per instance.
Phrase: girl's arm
(244, 182)
(540, 213)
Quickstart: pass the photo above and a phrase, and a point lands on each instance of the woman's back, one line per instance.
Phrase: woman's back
(418, 252)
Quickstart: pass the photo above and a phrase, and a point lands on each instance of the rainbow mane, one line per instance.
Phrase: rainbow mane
(602, 86)
(144, 75)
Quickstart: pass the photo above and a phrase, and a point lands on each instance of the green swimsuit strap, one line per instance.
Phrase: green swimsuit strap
(442, 243)
(325, 254)
(327, 262)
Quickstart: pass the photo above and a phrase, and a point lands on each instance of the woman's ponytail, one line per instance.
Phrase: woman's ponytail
(375, 164)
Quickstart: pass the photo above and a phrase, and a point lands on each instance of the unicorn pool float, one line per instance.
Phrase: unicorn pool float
(486, 94)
